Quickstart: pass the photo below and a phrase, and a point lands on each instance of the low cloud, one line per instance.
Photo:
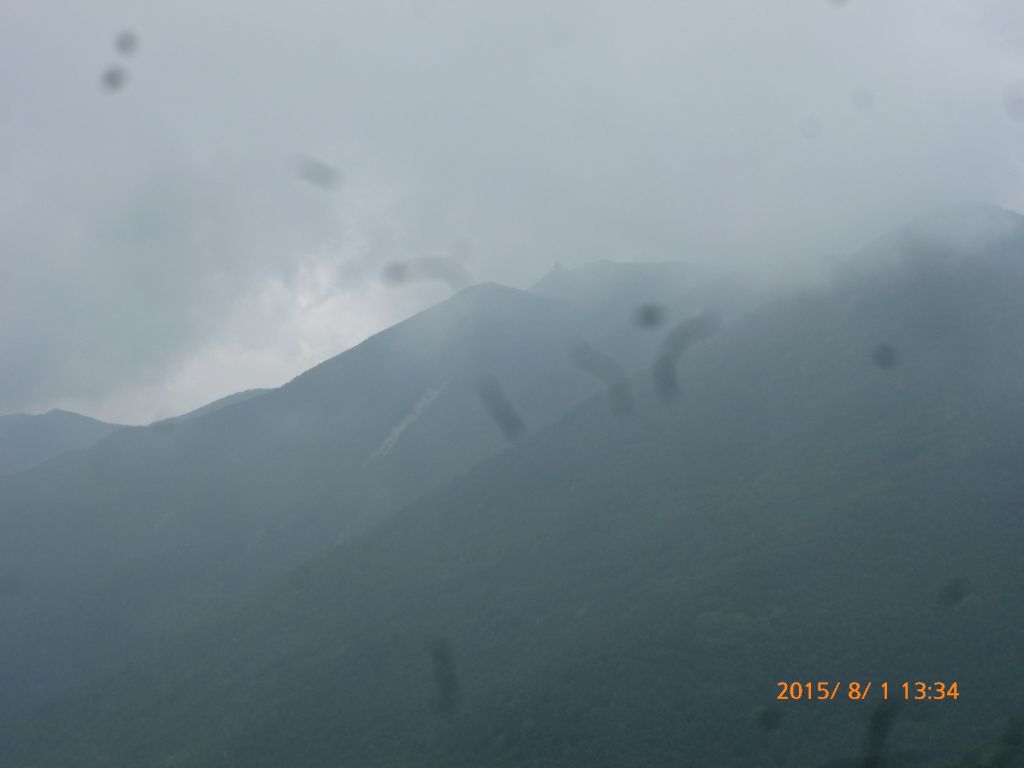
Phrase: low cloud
(159, 249)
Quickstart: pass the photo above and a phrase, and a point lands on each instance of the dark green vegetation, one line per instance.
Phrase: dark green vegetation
(606, 591)
(27, 441)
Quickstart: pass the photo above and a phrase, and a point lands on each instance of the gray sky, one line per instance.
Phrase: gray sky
(158, 248)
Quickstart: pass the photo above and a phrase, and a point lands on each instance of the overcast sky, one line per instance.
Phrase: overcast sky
(160, 248)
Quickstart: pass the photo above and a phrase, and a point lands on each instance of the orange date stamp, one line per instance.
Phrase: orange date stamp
(862, 691)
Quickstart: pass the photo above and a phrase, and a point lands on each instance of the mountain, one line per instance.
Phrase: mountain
(156, 530)
(216, 405)
(29, 440)
(981, 234)
(630, 591)
(627, 306)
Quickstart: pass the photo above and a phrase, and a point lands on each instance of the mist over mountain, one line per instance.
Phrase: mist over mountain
(447, 384)
(626, 307)
(28, 440)
(161, 528)
(360, 568)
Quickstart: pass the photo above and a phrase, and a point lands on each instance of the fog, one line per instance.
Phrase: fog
(218, 214)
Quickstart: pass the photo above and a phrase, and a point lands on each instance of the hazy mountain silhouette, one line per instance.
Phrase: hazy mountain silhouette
(29, 440)
(156, 529)
(626, 307)
(629, 591)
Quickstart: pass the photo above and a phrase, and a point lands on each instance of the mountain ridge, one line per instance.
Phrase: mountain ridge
(624, 592)
(29, 440)
(248, 491)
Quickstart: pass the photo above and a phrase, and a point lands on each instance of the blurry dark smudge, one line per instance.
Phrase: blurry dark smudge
(500, 408)
(1013, 100)
(605, 369)
(446, 679)
(126, 43)
(446, 269)
(317, 172)
(879, 726)
(768, 718)
(114, 78)
(677, 341)
(884, 356)
(649, 315)
(1007, 748)
(862, 99)
(10, 585)
(810, 128)
(954, 592)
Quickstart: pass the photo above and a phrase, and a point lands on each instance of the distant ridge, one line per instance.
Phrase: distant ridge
(216, 405)
(981, 233)
(27, 440)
